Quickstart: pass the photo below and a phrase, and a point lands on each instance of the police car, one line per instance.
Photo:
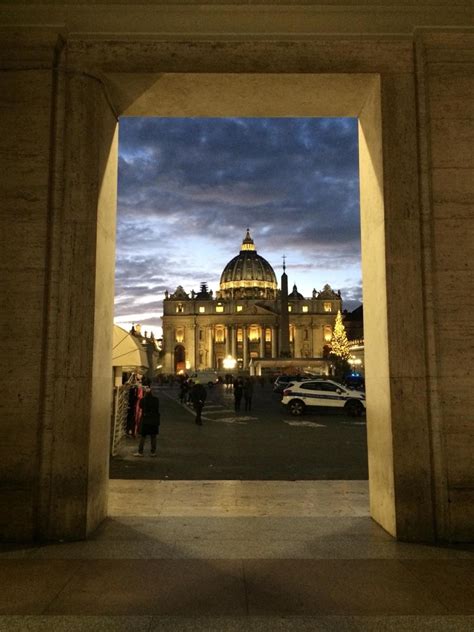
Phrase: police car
(299, 396)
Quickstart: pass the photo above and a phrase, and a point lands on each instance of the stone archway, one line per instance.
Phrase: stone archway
(179, 358)
(100, 79)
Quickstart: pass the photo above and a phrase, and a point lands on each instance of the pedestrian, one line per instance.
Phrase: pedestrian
(198, 396)
(183, 391)
(150, 421)
(248, 393)
(238, 392)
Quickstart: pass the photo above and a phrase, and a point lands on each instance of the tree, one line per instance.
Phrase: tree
(340, 352)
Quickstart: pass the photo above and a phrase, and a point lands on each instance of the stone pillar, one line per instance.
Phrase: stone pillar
(228, 334)
(190, 337)
(233, 335)
(168, 344)
(245, 347)
(297, 342)
(29, 206)
(274, 341)
(211, 347)
(262, 342)
(73, 455)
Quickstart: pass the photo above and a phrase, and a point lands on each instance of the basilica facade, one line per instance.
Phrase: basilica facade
(243, 320)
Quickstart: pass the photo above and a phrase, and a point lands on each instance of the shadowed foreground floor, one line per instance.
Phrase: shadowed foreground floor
(237, 555)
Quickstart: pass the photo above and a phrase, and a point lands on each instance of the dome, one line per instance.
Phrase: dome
(295, 295)
(248, 275)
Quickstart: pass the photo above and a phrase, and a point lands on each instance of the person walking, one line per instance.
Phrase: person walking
(248, 393)
(198, 396)
(238, 392)
(150, 421)
(183, 391)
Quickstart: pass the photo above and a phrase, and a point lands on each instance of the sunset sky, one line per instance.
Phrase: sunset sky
(189, 188)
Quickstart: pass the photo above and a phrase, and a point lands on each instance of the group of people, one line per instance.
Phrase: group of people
(243, 388)
(190, 391)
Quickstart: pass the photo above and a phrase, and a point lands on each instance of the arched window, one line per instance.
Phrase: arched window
(179, 334)
(220, 333)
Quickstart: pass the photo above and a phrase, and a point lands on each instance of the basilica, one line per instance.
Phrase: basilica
(248, 319)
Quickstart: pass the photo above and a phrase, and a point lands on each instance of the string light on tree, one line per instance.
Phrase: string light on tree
(339, 342)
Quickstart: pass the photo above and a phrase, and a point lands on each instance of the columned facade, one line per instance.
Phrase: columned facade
(243, 319)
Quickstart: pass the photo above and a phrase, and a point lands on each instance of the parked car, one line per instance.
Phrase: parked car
(282, 381)
(206, 377)
(322, 393)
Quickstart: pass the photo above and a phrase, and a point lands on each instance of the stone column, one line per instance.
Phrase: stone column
(262, 342)
(233, 334)
(274, 341)
(190, 337)
(297, 342)
(73, 458)
(211, 347)
(228, 333)
(245, 347)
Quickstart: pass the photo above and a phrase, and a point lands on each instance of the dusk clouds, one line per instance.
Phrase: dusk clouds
(188, 189)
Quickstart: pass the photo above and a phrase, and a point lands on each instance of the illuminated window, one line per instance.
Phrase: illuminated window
(239, 308)
(268, 335)
(202, 309)
(327, 333)
(219, 333)
(304, 308)
(179, 334)
(254, 333)
(240, 335)
(179, 308)
(219, 308)
(290, 308)
(328, 307)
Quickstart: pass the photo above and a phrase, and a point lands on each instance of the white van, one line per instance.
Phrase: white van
(206, 377)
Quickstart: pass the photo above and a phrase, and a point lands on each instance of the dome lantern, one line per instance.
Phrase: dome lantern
(247, 243)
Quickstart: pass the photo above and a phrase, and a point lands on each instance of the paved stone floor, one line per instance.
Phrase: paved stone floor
(266, 443)
(223, 556)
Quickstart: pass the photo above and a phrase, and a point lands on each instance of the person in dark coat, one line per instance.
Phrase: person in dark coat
(150, 422)
(238, 392)
(248, 393)
(198, 396)
(183, 391)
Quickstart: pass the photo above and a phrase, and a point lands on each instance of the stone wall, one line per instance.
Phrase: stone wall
(60, 93)
(445, 66)
(25, 203)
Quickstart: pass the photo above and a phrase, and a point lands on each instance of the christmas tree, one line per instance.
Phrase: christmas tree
(339, 343)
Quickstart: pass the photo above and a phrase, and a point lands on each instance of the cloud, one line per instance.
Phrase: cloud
(188, 188)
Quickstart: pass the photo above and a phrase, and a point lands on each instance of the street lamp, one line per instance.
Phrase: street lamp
(229, 362)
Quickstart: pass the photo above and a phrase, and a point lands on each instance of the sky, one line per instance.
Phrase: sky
(189, 188)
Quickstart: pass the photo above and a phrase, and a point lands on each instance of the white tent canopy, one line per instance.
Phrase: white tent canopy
(127, 352)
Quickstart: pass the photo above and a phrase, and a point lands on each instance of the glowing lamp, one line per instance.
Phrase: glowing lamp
(229, 362)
